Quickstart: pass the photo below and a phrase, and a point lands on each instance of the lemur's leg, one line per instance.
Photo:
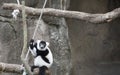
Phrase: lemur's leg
(33, 67)
(42, 70)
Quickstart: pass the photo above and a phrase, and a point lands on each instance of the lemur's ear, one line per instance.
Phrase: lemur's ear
(47, 43)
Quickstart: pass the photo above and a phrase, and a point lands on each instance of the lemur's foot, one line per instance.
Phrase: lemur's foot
(33, 67)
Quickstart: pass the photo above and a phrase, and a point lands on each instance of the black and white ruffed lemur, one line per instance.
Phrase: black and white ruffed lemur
(43, 55)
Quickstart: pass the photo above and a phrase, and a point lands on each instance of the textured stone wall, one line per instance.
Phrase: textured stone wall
(95, 47)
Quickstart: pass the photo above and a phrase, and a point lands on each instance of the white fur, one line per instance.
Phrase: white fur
(33, 51)
(47, 43)
(38, 61)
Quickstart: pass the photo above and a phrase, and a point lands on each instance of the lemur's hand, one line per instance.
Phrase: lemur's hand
(31, 41)
(31, 44)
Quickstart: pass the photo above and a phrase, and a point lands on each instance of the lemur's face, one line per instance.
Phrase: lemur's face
(42, 44)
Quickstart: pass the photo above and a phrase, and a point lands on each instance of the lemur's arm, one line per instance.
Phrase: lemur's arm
(32, 47)
(45, 59)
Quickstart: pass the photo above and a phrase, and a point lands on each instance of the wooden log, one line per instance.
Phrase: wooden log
(93, 18)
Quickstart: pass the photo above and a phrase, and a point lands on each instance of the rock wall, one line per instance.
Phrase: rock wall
(95, 47)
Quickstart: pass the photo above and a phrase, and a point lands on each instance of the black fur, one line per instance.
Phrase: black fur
(33, 67)
(45, 59)
(39, 53)
(43, 43)
(42, 70)
(31, 44)
(42, 53)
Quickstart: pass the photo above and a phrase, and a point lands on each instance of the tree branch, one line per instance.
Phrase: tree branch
(15, 68)
(3, 19)
(93, 18)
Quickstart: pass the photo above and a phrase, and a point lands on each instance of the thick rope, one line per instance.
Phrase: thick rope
(39, 20)
(37, 25)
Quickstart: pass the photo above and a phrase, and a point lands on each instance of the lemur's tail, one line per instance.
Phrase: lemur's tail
(42, 70)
